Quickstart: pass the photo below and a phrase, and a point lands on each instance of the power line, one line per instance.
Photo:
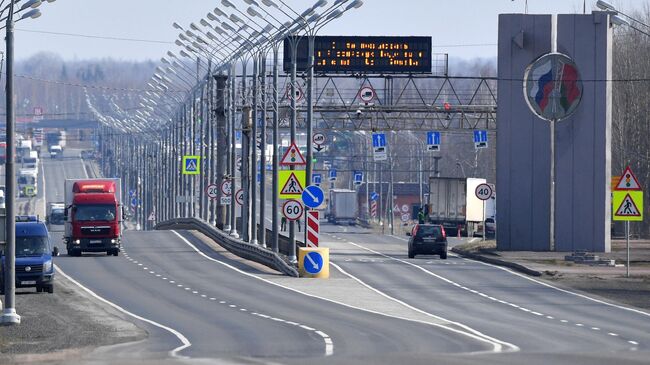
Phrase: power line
(96, 36)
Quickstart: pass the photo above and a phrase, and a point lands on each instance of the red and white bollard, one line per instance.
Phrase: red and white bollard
(458, 231)
(313, 228)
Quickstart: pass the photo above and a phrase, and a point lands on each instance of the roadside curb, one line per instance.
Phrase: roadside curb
(512, 265)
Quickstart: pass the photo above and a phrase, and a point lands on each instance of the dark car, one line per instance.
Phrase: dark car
(34, 267)
(428, 239)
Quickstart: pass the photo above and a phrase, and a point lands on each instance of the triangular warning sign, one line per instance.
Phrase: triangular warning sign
(628, 208)
(293, 156)
(292, 186)
(628, 181)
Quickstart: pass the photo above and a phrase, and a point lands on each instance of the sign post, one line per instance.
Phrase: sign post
(627, 205)
(484, 192)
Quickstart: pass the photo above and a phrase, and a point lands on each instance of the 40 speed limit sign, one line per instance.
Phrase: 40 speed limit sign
(292, 210)
(483, 191)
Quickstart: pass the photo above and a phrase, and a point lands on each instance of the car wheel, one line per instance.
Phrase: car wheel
(116, 252)
(411, 254)
(50, 288)
(443, 255)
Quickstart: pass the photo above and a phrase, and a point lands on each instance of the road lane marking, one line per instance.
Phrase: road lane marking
(173, 353)
(329, 345)
(496, 344)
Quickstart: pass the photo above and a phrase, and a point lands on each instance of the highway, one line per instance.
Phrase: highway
(200, 304)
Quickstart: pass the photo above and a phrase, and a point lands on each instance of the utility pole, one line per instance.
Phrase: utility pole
(220, 113)
(9, 315)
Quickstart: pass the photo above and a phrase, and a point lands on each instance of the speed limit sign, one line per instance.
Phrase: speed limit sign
(226, 187)
(212, 191)
(292, 210)
(239, 197)
(484, 191)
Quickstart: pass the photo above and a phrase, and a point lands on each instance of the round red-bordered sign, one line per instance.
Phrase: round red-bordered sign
(292, 210)
(483, 191)
(239, 197)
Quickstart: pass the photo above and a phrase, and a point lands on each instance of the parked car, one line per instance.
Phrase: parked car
(490, 227)
(427, 239)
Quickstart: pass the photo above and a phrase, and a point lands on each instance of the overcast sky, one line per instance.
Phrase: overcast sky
(462, 28)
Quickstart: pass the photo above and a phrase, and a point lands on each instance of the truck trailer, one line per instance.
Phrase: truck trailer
(453, 203)
(342, 207)
(93, 216)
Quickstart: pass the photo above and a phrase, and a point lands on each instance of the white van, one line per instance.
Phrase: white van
(2, 199)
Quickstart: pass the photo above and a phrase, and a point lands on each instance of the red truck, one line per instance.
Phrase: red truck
(93, 216)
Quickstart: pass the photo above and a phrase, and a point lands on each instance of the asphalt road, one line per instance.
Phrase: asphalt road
(196, 303)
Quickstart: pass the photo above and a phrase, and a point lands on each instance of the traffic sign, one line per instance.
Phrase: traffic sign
(131, 193)
(316, 179)
(299, 94)
(313, 262)
(292, 156)
(374, 196)
(483, 191)
(433, 141)
(313, 228)
(313, 196)
(379, 147)
(291, 183)
(191, 165)
(292, 210)
(226, 187)
(405, 217)
(212, 191)
(627, 206)
(226, 200)
(332, 176)
(628, 181)
(367, 94)
(481, 139)
(134, 202)
(239, 197)
(319, 139)
(152, 216)
(358, 177)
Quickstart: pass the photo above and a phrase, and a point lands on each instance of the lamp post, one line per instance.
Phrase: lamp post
(9, 315)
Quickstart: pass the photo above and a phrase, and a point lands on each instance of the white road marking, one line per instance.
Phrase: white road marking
(174, 352)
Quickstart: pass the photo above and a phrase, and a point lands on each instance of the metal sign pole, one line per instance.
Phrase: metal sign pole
(627, 239)
(484, 227)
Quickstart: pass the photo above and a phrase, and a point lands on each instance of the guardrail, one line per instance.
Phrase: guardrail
(238, 247)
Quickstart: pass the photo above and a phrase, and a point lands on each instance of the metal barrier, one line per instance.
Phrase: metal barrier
(238, 247)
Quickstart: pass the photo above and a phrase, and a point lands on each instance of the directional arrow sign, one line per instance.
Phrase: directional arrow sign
(313, 263)
(313, 196)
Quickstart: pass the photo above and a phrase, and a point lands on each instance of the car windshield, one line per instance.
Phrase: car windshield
(95, 212)
(31, 245)
(428, 231)
(57, 212)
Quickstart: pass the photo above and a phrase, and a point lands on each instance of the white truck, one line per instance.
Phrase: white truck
(56, 151)
(453, 203)
(342, 207)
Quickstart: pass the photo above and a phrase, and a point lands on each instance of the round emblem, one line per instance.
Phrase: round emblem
(28, 268)
(553, 87)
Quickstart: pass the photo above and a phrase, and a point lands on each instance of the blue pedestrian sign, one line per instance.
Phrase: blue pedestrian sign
(379, 147)
(333, 175)
(433, 141)
(358, 177)
(481, 139)
(317, 179)
(238, 136)
(313, 262)
(313, 196)
(374, 196)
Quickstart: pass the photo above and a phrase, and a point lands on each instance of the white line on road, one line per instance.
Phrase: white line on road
(174, 352)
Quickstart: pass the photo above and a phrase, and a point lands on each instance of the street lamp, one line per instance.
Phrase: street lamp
(9, 315)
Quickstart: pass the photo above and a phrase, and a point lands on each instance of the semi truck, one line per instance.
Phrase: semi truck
(453, 203)
(93, 216)
(342, 207)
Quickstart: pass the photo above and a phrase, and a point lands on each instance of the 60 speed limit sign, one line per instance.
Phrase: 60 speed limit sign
(292, 210)
(484, 191)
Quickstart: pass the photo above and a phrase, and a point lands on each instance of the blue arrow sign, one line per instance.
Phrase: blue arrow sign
(238, 135)
(313, 262)
(316, 179)
(132, 193)
(480, 136)
(378, 140)
(358, 177)
(134, 202)
(433, 138)
(374, 196)
(313, 196)
(333, 175)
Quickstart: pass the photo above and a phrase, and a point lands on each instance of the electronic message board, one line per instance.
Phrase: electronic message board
(368, 55)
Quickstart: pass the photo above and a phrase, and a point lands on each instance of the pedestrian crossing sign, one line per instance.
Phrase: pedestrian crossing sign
(627, 206)
(291, 183)
(191, 165)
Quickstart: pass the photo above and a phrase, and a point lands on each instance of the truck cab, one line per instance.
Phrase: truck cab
(27, 183)
(34, 252)
(56, 214)
(56, 151)
(93, 217)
